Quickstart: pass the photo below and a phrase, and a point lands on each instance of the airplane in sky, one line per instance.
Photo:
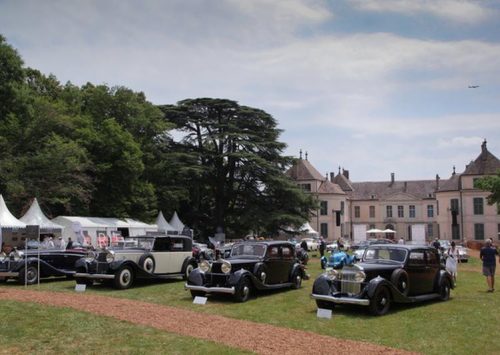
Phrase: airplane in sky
(473, 86)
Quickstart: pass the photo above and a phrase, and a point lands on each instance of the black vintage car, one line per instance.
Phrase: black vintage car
(251, 266)
(387, 273)
(149, 256)
(27, 266)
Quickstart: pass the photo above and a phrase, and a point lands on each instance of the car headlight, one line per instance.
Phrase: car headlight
(360, 276)
(16, 255)
(91, 256)
(332, 274)
(3, 256)
(110, 256)
(205, 266)
(226, 267)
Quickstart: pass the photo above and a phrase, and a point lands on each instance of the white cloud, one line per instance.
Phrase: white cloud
(464, 12)
(460, 142)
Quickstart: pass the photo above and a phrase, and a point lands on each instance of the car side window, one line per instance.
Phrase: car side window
(162, 244)
(287, 252)
(176, 245)
(432, 258)
(417, 258)
(273, 252)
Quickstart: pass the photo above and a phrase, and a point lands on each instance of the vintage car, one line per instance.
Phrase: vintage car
(463, 252)
(387, 273)
(251, 266)
(337, 259)
(27, 266)
(157, 256)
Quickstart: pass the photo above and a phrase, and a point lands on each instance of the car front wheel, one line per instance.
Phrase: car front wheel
(243, 290)
(444, 290)
(124, 278)
(380, 302)
(28, 276)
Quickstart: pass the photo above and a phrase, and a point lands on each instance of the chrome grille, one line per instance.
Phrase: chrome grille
(348, 284)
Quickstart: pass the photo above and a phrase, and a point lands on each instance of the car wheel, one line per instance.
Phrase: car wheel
(197, 294)
(148, 264)
(444, 290)
(380, 302)
(325, 304)
(401, 281)
(190, 267)
(296, 280)
(243, 290)
(28, 276)
(124, 278)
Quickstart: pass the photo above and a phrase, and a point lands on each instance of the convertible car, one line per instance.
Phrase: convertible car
(251, 266)
(387, 273)
(27, 266)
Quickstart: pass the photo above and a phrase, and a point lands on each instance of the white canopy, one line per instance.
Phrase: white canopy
(34, 216)
(374, 230)
(176, 223)
(307, 229)
(7, 220)
(163, 225)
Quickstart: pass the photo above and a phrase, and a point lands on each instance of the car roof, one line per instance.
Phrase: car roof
(403, 246)
(265, 242)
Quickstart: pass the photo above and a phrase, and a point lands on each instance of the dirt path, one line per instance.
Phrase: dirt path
(257, 337)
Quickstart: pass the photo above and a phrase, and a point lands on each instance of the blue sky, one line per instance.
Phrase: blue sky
(372, 86)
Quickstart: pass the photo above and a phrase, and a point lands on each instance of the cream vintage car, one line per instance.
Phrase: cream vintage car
(151, 257)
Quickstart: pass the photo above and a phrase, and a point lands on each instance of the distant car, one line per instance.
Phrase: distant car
(312, 244)
(359, 248)
(28, 266)
(151, 257)
(387, 273)
(337, 260)
(463, 252)
(266, 265)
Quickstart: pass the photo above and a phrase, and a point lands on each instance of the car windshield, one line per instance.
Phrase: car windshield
(385, 253)
(248, 250)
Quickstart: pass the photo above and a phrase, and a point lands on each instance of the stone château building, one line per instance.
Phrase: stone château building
(438, 208)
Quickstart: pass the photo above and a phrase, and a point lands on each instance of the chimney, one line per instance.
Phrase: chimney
(332, 176)
(483, 146)
(326, 175)
(345, 173)
(437, 179)
(392, 179)
(453, 174)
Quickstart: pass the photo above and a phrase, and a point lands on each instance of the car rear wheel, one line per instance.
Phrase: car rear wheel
(380, 302)
(243, 290)
(124, 278)
(444, 290)
(28, 275)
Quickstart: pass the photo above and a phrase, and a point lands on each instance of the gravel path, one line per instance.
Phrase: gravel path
(257, 337)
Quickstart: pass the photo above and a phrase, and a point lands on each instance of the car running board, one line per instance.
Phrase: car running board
(427, 297)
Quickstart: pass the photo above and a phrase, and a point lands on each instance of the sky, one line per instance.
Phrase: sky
(372, 86)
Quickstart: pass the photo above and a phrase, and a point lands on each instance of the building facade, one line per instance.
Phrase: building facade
(439, 208)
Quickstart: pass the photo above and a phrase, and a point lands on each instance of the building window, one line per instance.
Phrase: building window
(323, 209)
(401, 211)
(389, 211)
(341, 207)
(357, 212)
(323, 227)
(430, 230)
(478, 205)
(455, 232)
(306, 187)
(372, 211)
(454, 205)
(479, 231)
(412, 211)
(430, 211)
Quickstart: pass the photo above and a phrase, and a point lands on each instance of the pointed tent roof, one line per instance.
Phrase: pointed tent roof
(306, 228)
(176, 223)
(34, 216)
(162, 223)
(7, 220)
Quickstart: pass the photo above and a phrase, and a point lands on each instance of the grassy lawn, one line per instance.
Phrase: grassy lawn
(466, 324)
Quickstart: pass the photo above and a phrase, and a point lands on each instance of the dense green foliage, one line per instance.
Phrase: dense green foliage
(491, 184)
(106, 151)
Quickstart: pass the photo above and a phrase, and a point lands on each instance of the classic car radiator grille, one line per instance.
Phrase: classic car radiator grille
(348, 283)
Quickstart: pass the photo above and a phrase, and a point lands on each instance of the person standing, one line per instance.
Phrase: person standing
(322, 246)
(451, 261)
(488, 256)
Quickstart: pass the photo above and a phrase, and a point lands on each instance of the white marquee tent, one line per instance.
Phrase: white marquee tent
(35, 217)
(176, 223)
(9, 225)
(162, 224)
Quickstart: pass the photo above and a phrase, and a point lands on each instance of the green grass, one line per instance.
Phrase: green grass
(466, 324)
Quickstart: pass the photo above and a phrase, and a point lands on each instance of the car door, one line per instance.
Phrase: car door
(431, 271)
(416, 269)
(273, 261)
(169, 255)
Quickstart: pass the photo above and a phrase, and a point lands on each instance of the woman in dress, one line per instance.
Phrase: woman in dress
(451, 261)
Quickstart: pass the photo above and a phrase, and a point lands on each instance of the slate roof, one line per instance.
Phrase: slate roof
(327, 187)
(452, 184)
(303, 170)
(343, 182)
(485, 164)
(421, 189)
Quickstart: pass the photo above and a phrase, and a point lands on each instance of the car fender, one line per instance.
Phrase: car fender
(258, 269)
(323, 286)
(82, 265)
(443, 274)
(379, 281)
(296, 268)
(187, 261)
(235, 277)
(44, 266)
(196, 277)
(117, 264)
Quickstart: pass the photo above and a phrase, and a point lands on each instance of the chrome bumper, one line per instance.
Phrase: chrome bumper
(93, 276)
(229, 290)
(341, 300)
(9, 274)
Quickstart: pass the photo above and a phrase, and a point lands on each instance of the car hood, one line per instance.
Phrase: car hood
(378, 268)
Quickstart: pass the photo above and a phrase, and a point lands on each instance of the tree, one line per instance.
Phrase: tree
(492, 184)
(237, 181)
